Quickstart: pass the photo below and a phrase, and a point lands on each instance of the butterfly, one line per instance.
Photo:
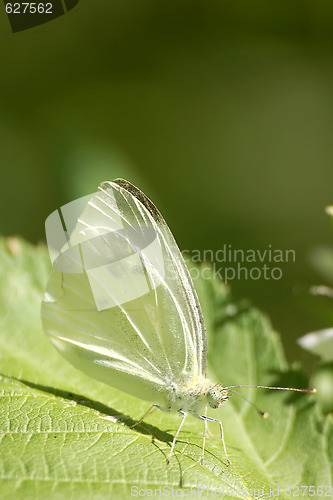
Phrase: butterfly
(120, 304)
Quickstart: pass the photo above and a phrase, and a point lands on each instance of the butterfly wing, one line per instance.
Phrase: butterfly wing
(120, 304)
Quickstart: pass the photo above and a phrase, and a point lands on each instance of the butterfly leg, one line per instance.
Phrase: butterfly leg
(176, 435)
(151, 409)
(211, 435)
(204, 440)
(210, 419)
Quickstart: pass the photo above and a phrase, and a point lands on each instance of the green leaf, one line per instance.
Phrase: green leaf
(64, 435)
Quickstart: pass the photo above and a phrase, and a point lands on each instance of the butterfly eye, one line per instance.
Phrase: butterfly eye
(216, 395)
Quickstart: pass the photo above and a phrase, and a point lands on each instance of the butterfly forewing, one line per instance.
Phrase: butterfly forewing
(127, 312)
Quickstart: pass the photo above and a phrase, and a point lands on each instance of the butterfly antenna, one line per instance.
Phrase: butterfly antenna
(263, 414)
(274, 388)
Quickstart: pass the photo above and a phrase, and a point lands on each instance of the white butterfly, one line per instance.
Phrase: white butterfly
(121, 306)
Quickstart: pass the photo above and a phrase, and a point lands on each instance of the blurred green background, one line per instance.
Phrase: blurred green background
(221, 112)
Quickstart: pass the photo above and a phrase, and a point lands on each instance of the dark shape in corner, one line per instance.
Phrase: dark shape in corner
(23, 17)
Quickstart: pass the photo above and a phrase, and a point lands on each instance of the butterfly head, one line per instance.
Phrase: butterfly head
(216, 395)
